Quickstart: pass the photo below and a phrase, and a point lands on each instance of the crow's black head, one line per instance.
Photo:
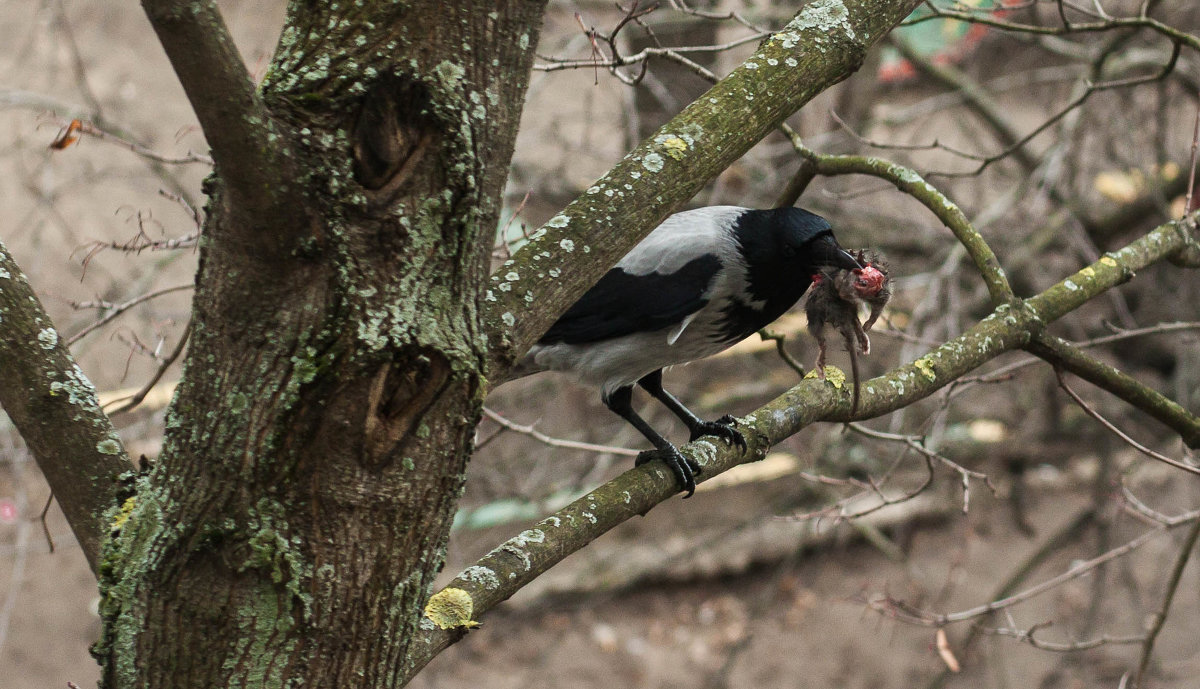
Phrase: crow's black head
(783, 248)
(789, 242)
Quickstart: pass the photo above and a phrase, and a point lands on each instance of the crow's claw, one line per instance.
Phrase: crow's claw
(685, 468)
(722, 428)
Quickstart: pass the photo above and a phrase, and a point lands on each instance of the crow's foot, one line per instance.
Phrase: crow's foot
(722, 428)
(685, 468)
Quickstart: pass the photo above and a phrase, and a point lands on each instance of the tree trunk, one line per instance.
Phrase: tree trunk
(316, 447)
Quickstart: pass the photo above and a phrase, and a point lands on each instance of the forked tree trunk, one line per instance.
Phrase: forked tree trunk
(316, 447)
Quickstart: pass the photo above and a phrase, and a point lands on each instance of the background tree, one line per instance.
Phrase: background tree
(344, 324)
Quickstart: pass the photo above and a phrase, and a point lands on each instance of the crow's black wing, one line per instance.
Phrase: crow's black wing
(623, 303)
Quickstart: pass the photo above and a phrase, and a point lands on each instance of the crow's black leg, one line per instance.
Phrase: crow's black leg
(721, 428)
(684, 468)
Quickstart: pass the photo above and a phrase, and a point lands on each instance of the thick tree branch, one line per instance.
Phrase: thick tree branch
(53, 406)
(502, 572)
(249, 153)
(1060, 352)
(822, 45)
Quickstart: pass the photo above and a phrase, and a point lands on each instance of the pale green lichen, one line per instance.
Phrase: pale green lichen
(652, 162)
(559, 220)
(48, 337)
(484, 576)
(827, 17)
(109, 446)
(449, 73)
(705, 452)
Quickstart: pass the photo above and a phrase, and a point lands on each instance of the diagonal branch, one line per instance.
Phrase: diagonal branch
(1110, 24)
(502, 572)
(53, 406)
(908, 181)
(823, 44)
(245, 145)
(1062, 353)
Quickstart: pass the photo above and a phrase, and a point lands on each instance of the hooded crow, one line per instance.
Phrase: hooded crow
(702, 281)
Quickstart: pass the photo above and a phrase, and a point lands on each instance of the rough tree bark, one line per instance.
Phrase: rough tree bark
(316, 447)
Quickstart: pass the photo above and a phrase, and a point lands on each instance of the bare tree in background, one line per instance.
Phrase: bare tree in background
(346, 321)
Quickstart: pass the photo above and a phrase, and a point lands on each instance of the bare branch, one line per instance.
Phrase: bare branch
(1119, 433)
(98, 132)
(1027, 636)
(1141, 22)
(899, 610)
(115, 310)
(1063, 354)
(245, 144)
(556, 442)
(1160, 617)
(136, 399)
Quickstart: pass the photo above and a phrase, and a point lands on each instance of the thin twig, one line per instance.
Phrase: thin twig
(117, 309)
(136, 398)
(1027, 636)
(556, 442)
(1118, 432)
(780, 340)
(917, 444)
(45, 526)
(1187, 204)
(97, 132)
(1160, 617)
(903, 612)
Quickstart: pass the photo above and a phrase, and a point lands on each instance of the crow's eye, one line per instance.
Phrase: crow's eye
(789, 251)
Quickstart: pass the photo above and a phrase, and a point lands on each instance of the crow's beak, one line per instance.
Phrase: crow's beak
(827, 253)
(843, 259)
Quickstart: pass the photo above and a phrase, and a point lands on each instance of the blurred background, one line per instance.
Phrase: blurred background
(819, 566)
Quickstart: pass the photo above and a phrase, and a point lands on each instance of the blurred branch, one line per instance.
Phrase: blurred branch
(780, 341)
(115, 310)
(1175, 35)
(1090, 90)
(1059, 352)
(899, 610)
(977, 99)
(916, 443)
(556, 442)
(53, 406)
(136, 399)
(1160, 617)
(97, 131)
(1118, 432)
